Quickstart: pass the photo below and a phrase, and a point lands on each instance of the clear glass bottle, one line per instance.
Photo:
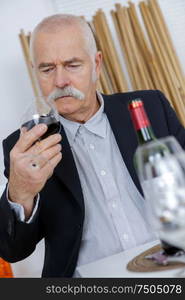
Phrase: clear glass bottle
(149, 150)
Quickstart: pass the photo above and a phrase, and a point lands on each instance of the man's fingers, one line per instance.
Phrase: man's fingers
(45, 144)
(44, 157)
(27, 138)
(52, 163)
(23, 130)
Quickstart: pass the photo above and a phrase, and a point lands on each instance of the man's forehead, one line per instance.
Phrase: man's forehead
(61, 55)
(59, 46)
(53, 42)
(63, 34)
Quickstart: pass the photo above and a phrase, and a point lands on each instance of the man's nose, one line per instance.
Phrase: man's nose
(61, 77)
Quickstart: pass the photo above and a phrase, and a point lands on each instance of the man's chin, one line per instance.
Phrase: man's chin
(65, 107)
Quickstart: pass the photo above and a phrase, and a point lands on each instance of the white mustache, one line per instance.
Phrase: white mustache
(66, 91)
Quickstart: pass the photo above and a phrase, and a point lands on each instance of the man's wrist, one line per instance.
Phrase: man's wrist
(23, 212)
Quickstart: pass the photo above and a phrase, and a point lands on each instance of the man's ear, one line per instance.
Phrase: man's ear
(98, 62)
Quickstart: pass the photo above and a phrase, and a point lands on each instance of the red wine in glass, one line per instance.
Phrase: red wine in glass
(42, 111)
(51, 122)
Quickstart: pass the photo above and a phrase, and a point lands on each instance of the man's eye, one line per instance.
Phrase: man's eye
(46, 70)
(74, 66)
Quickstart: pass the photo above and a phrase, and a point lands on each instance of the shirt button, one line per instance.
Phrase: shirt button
(125, 237)
(114, 205)
(103, 173)
(91, 146)
(80, 129)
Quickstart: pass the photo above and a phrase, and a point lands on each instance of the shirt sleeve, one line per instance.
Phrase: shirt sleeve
(19, 209)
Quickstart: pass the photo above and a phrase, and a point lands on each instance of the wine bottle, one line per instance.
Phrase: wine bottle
(145, 134)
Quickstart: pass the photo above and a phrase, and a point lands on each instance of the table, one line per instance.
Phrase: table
(115, 266)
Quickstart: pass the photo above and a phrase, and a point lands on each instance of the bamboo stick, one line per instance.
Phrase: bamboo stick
(108, 85)
(28, 37)
(152, 34)
(126, 42)
(165, 33)
(102, 43)
(166, 66)
(167, 42)
(121, 82)
(149, 57)
(101, 46)
(100, 86)
(25, 48)
(104, 83)
(142, 44)
(173, 81)
(143, 71)
(109, 51)
(124, 47)
(139, 66)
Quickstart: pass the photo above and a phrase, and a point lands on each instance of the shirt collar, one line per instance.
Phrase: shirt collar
(96, 124)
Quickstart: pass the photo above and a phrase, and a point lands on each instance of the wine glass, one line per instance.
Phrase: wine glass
(42, 110)
(161, 171)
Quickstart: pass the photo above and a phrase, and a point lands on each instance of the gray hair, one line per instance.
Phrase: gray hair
(55, 22)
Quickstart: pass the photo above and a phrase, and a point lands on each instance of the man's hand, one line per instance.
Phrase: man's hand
(31, 164)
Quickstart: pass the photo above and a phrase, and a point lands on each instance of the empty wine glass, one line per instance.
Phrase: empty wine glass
(41, 110)
(161, 170)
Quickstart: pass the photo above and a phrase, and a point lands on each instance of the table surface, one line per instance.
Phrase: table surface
(115, 266)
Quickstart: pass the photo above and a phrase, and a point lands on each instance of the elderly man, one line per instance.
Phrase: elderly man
(86, 202)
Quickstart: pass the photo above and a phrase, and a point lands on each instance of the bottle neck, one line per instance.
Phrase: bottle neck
(145, 135)
(141, 124)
